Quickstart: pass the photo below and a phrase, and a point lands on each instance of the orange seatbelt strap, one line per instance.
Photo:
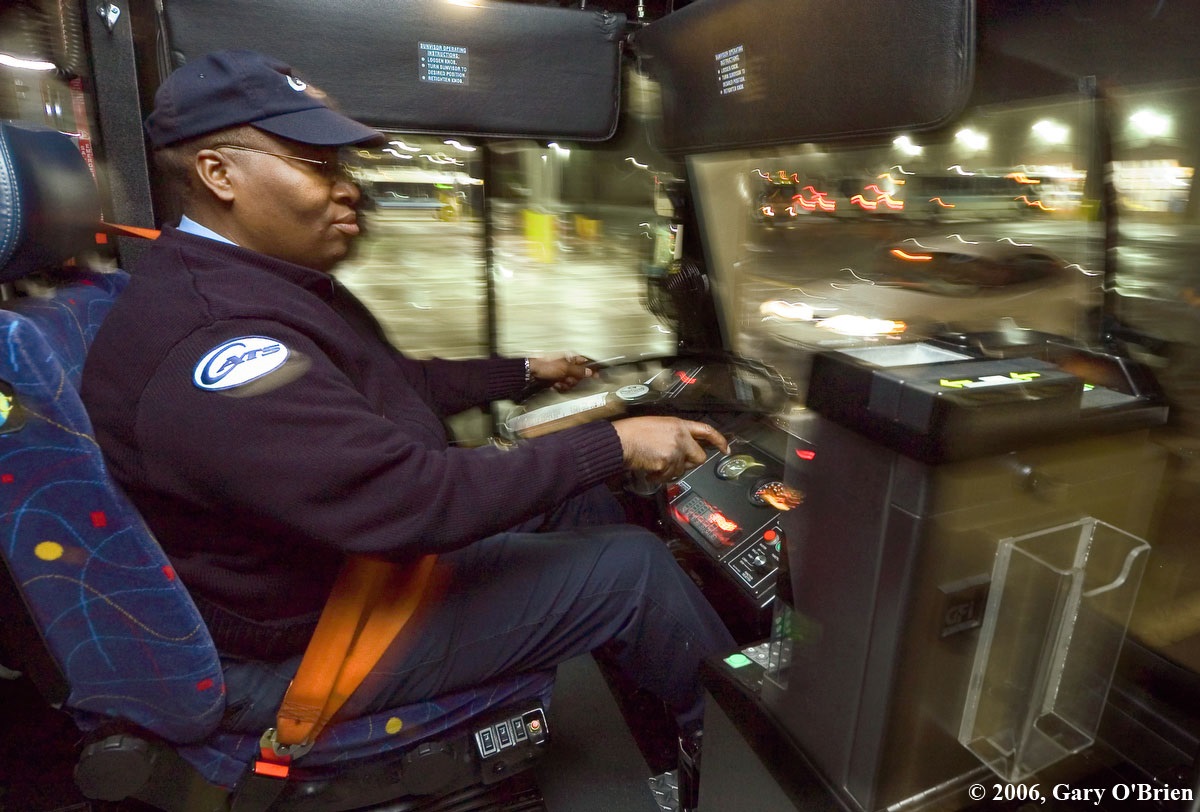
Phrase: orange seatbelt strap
(118, 230)
(370, 603)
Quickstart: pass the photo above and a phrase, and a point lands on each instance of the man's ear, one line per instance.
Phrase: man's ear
(214, 172)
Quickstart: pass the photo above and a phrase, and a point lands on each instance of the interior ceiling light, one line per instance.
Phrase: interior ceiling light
(25, 64)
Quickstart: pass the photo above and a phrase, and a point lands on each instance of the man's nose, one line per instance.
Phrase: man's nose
(346, 191)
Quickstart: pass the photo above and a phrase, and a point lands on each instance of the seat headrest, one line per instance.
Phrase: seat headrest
(49, 205)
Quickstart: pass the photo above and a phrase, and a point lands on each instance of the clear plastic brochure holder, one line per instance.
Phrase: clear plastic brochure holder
(1056, 616)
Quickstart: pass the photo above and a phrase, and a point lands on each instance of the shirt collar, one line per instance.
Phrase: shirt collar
(190, 226)
(319, 282)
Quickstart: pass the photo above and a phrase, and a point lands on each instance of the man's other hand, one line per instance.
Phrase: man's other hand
(564, 371)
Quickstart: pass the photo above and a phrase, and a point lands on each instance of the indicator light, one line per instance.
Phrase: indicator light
(271, 769)
(725, 524)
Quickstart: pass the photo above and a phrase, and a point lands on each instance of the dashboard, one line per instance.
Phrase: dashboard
(730, 507)
(726, 511)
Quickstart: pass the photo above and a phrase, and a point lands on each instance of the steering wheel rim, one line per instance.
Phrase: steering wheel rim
(573, 408)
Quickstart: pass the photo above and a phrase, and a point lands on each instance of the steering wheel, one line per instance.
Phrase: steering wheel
(691, 384)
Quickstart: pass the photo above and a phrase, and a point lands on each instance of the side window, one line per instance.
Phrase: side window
(43, 67)
(44, 74)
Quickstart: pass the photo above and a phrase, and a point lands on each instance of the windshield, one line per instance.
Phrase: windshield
(989, 224)
(569, 230)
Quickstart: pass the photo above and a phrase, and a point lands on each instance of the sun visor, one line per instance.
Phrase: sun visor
(740, 73)
(471, 67)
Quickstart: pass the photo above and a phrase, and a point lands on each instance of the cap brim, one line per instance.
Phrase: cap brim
(318, 126)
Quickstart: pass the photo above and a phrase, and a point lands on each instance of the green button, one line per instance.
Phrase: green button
(738, 660)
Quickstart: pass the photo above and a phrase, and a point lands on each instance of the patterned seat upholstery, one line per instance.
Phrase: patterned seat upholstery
(117, 623)
(120, 624)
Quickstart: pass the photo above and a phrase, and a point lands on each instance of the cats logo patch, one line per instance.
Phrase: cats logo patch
(239, 361)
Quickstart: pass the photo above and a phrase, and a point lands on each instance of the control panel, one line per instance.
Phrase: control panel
(529, 726)
(509, 741)
(730, 508)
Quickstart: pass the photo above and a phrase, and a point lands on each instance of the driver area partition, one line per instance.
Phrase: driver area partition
(480, 68)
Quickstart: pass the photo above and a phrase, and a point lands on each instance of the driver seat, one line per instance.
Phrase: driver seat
(98, 620)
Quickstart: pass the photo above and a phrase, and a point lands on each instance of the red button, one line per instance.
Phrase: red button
(770, 535)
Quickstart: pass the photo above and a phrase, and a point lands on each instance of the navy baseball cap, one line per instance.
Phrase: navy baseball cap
(230, 88)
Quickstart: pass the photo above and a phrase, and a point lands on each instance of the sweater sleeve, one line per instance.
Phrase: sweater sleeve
(306, 453)
(455, 385)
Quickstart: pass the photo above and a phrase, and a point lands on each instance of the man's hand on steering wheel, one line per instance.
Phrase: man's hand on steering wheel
(563, 372)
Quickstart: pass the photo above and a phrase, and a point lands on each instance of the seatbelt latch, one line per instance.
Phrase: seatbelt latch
(275, 759)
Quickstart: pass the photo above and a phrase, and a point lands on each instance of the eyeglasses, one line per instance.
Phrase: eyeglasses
(331, 170)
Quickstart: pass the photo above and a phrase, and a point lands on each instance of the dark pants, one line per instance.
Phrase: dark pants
(526, 601)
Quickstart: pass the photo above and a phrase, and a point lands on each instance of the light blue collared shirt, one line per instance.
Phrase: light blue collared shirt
(192, 227)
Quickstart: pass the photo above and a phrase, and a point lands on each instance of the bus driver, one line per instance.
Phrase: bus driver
(257, 416)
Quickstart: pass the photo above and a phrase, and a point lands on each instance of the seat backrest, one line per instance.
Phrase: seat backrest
(121, 629)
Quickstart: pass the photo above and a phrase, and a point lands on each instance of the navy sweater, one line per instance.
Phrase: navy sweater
(261, 422)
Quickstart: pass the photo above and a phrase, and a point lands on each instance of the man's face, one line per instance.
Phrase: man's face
(292, 210)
